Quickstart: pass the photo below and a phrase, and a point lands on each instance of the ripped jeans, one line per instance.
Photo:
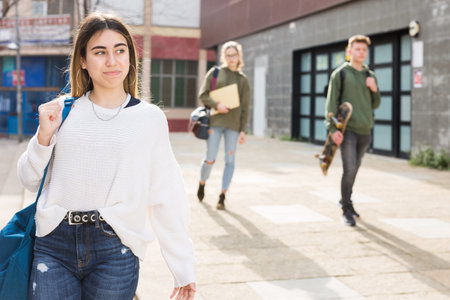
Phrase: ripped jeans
(231, 137)
(83, 262)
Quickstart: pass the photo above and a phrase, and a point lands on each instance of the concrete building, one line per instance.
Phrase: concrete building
(166, 33)
(292, 46)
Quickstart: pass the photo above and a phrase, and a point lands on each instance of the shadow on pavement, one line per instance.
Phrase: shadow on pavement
(270, 258)
(414, 259)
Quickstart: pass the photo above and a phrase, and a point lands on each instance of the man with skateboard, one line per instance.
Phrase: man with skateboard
(359, 88)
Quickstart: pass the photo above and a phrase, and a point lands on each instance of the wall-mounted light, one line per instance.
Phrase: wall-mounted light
(414, 28)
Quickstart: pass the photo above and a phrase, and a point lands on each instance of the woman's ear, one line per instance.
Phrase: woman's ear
(83, 64)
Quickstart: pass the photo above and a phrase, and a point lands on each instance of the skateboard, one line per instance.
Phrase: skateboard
(329, 149)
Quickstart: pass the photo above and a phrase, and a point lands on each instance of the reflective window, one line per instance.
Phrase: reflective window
(155, 89)
(304, 127)
(322, 62)
(337, 59)
(173, 83)
(305, 83)
(384, 79)
(382, 137)
(320, 130)
(383, 53)
(306, 62)
(180, 67)
(321, 82)
(384, 111)
(405, 108)
(179, 92)
(167, 66)
(405, 48)
(405, 81)
(320, 106)
(405, 138)
(166, 94)
(156, 66)
(305, 105)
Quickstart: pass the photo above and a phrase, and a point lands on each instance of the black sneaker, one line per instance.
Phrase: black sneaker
(353, 211)
(350, 207)
(347, 217)
(221, 203)
(201, 192)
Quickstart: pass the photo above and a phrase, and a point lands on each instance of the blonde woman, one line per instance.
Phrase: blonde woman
(229, 123)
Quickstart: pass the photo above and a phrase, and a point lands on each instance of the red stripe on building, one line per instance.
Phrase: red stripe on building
(139, 44)
(164, 47)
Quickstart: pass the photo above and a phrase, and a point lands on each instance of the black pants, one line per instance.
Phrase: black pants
(352, 151)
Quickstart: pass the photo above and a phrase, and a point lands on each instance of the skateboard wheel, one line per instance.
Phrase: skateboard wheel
(330, 115)
(339, 125)
(324, 165)
(316, 155)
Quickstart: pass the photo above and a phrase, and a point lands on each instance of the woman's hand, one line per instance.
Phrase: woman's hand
(222, 109)
(241, 137)
(186, 292)
(50, 116)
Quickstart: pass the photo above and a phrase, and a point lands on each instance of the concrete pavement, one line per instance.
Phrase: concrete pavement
(281, 236)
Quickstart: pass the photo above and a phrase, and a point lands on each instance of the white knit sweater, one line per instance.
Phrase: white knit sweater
(119, 167)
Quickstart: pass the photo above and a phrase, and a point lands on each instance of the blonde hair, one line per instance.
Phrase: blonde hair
(359, 38)
(80, 82)
(238, 48)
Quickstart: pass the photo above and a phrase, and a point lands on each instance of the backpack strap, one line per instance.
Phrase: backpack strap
(341, 89)
(68, 102)
(214, 78)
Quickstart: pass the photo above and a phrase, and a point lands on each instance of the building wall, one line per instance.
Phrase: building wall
(243, 17)
(430, 103)
(176, 13)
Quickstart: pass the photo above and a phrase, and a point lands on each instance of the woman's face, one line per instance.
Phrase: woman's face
(107, 59)
(232, 58)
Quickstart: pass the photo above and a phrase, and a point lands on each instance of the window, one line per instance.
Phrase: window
(390, 58)
(174, 82)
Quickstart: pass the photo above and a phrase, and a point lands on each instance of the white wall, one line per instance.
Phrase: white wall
(176, 13)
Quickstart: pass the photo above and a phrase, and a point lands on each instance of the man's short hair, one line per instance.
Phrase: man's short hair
(359, 38)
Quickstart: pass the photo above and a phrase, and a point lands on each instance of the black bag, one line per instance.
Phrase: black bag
(200, 122)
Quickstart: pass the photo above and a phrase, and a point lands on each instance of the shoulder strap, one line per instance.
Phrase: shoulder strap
(214, 78)
(68, 102)
(341, 89)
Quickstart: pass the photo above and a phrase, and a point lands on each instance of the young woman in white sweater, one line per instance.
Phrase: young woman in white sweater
(111, 160)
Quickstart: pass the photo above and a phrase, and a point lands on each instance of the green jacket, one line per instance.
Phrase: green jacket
(355, 91)
(236, 118)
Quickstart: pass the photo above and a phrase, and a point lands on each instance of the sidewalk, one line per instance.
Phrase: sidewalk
(281, 236)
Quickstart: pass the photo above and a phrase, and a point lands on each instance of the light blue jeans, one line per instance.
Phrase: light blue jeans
(215, 135)
(83, 262)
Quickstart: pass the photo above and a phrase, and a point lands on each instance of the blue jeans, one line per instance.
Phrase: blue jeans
(352, 151)
(231, 137)
(83, 262)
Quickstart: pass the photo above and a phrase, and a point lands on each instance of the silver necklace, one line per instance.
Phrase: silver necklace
(102, 119)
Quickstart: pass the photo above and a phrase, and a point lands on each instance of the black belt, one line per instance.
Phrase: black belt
(82, 217)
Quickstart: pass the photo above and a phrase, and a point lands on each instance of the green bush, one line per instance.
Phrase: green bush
(428, 158)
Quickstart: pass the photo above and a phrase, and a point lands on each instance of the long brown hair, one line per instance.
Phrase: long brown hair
(79, 78)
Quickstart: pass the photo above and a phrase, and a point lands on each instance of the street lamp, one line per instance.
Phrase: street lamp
(16, 46)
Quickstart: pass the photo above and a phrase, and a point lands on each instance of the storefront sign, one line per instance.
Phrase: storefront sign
(22, 77)
(53, 29)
